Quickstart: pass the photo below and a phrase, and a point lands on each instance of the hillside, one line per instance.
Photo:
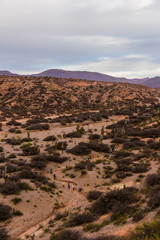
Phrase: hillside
(25, 96)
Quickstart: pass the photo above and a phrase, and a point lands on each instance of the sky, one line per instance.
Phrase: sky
(116, 37)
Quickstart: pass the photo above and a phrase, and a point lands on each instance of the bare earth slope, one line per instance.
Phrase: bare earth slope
(26, 96)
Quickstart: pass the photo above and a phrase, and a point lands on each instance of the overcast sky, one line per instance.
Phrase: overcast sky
(116, 37)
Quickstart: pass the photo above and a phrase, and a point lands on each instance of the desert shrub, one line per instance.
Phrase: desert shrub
(3, 234)
(150, 133)
(36, 120)
(12, 155)
(80, 149)
(56, 158)
(124, 161)
(16, 200)
(11, 168)
(137, 216)
(78, 219)
(67, 235)
(14, 141)
(153, 179)
(3, 159)
(29, 150)
(140, 168)
(39, 161)
(17, 213)
(38, 127)
(93, 195)
(9, 188)
(13, 122)
(90, 166)
(128, 144)
(150, 230)
(98, 147)
(74, 135)
(49, 138)
(154, 197)
(122, 174)
(137, 141)
(5, 212)
(123, 168)
(1, 149)
(80, 166)
(122, 154)
(61, 145)
(12, 130)
(118, 140)
(27, 174)
(27, 139)
(115, 201)
(154, 145)
(94, 137)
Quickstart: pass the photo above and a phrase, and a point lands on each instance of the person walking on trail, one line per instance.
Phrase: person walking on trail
(50, 171)
(69, 185)
(64, 184)
(54, 176)
(73, 187)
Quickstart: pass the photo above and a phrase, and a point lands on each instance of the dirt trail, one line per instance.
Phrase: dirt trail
(35, 229)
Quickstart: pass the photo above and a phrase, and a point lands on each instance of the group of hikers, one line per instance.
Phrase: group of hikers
(64, 184)
(69, 185)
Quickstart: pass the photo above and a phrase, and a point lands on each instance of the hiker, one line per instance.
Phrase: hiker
(54, 176)
(64, 184)
(73, 187)
(50, 171)
(68, 185)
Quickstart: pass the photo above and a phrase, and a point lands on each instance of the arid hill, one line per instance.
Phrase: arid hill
(26, 96)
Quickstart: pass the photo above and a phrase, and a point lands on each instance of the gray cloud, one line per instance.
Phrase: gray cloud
(84, 35)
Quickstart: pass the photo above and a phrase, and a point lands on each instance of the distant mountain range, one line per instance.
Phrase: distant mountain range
(150, 82)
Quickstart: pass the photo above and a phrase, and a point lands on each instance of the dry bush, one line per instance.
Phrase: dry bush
(122, 154)
(56, 158)
(67, 235)
(78, 219)
(80, 149)
(93, 195)
(38, 127)
(14, 141)
(80, 166)
(74, 135)
(98, 147)
(140, 168)
(5, 212)
(30, 150)
(94, 137)
(115, 201)
(3, 234)
(150, 133)
(153, 179)
(10, 187)
(39, 161)
(49, 138)
(118, 140)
